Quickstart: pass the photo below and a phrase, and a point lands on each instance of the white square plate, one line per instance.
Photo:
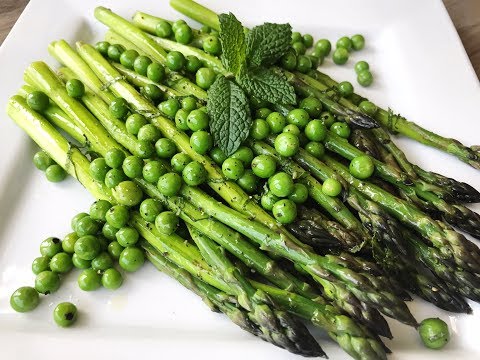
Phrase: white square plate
(420, 69)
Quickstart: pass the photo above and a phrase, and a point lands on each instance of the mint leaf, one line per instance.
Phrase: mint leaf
(266, 84)
(267, 43)
(229, 112)
(232, 39)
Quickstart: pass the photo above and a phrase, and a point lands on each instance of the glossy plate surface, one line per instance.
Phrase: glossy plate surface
(420, 69)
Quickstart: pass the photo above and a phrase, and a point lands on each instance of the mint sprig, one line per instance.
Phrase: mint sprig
(247, 56)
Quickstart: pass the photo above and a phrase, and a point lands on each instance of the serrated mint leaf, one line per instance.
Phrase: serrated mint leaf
(229, 112)
(266, 84)
(232, 39)
(267, 43)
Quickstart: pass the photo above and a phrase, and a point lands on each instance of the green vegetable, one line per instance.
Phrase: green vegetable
(24, 299)
(316, 130)
(115, 157)
(175, 61)
(150, 208)
(341, 129)
(340, 56)
(361, 66)
(112, 279)
(165, 148)
(131, 259)
(183, 34)
(365, 78)
(345, 88)
(233, 168)
(99, 209)
(264, 166)
(358, 42)
(169, 184)
(55, 173)
(47, 282)
(344, 42)
(362, 167)
(61, 263)
(87, 247)
(127, 236)
(312, 106)
(281, 184)
(50, 246)
(87, 226)
(65, 314)
(248, 182)
(127, 193)
(38, 101)
(42, 161)
(331, 187)
(80, 263)
(194, 174)
(285, 211)
(102, 261)
(89, 280)
(212, 45)
(323, 46)
(115, 249)
(75, 88)
(40, 264)
(287, 144)
(434, 333)
(260, 129)
(179, 161)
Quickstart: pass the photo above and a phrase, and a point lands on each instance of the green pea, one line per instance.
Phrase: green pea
(175, 61)
(205, 77)
(296, 36)
(362, 167)
(181, 119)
(308, 40)
(65, 314)
(180, 161)
(327, 118)
(298, 117)
(102, 262)
(115, 249)
(102, 47)
(42, 160)
(201, 142)
(166, 222)
(292, 129)
(299, 194)
(128, 58)
(112, 279)
(304, 63)
(193, 64)
(233, 168)
(50, 246)
(114, 157)
(89, 280)
(299, 48)
(144, 149)
(323, 47)
(341, 129)
(152, 92)
(118, 108)
(345, 42)
(127, 193)
(40, 264)
(312, 106)
(365, 78)
(169, 107)
(117, 216)
(315, 149)
(47, 282)
(141, 63)
(212, 45)
(149, 209)
(156, 72)
(87, 226)
(358, 42)
(109, 231)
(244, 154)
(284, 211)
(127, 236)
(218, 155)
(289, 61)
(260, 129)
(287, 144)
(345, 88)
(38, 101)
(152, 171)
(75, 88)
(434, 333)
(61, 263)
(24, 299)
(165, 148)
(169, 184)
(276, 121)
(76, 218)
(197, 120)
(55, 173)
(331, 187)
(114, 177)
(184, 34)
(361, 66)
(115, 51)
(268, 200)
(188, 103)
(177, 24)
(98, 169)
(316, 130)
(264, 166)
(163, 29)
(281, 184)
(194, 174)
(99, 209)
(248, 182)
(87, 247)
(368, 108)
(131, 259)
(80, 263)
(340, 56)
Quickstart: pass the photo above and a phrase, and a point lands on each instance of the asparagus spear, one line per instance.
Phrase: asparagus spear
(451, 244)
(398, 124)
(281, 329)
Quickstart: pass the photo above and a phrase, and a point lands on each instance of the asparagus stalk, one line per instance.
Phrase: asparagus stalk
(59, 149)
(457, 215)
(398, 124)
(57, 117)
(277, 326)
(451, 244)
